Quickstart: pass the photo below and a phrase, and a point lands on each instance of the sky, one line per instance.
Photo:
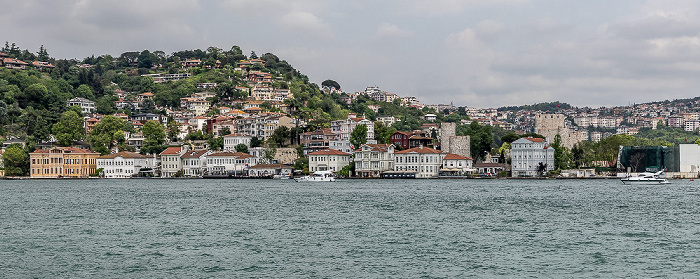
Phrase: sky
(476, 53)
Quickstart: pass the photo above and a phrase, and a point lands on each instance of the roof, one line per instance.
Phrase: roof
(328, 152)
(172, 151)
(123, 154)
(195, 153)
(420, 150)
(65, 150)
(534, 139)
(456, 157)
(378, 147)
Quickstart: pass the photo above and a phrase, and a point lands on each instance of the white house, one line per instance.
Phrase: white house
(528, 154)
(230, 141)
(425, 162)
(85, 105)
(371, 160)
(170, 161)
(194, 162)
(456, 165)
(345, 127)
(124, 164)
(229, 163)
(328, 159)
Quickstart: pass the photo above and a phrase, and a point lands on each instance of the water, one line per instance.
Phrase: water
(359, 228)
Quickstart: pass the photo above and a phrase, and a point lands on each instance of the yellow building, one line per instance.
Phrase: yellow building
(62, 162)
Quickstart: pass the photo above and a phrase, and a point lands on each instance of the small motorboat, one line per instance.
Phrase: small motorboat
(318, 176)
(646, 178)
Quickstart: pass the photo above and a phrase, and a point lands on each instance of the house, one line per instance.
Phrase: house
(230, 141)
(125, 164)
(257, 76)
(316, 140)
(406, 140)
(345, 127)
(424, 162)
(86, 106)
(265, 170)
(229, 163)
(12, 63)
(171, 161)
(531, 157)
(388, 120)
(488, 169)
(62, 162)
(194, 162)
(430, 117)
(188, 63)
(371, 160)
(328, 160)
(145, 96)
(456, 165)
(143, 117)
(42, 65)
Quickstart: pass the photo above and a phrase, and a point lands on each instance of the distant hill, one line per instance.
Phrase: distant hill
(550, 107)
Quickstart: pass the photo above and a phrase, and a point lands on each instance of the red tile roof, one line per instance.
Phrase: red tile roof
(65, 150)
(534, 139)
(172, 151)
(239, 155)
(194, 153)
(456, 157)
(420, 150)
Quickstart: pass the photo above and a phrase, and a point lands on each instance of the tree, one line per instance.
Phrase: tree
(241, 148)
(43, 55)
(541, 168)
(173, 130)
(154, 137)
(480, 138)
(106, 133)
(216, 143)
(255, 142)
(382, 133)
(510, 137)
(69, 128)
(330, 83)
(146, 59)
(280, 136)
(16, 161)
(562, 156)
(84, 91)
(358, 136)
(253, 55)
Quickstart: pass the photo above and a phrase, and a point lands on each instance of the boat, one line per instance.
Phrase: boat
(646, 178)
(318, 176)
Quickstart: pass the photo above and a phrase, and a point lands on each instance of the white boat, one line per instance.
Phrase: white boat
(646, 178)
(318, 176)
(280, 176)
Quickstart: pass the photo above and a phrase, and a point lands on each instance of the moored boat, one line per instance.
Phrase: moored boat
(646, 178)
(318, 176)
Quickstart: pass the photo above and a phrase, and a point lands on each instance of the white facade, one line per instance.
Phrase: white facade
(345, 127)
(85, 105)
(371, 160)
(228, 163)
(425, 162)
(328, 160)
(170, 161)
(457, 164)
(230, 141)
(528, 153)
(194, 163)
(124, 164)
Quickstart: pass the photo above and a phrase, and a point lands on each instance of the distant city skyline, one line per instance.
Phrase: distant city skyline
(473, 53)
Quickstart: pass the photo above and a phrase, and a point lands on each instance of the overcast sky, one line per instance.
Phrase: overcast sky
(477, 53)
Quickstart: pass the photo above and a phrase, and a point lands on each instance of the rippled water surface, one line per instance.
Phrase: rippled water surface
(352, 228)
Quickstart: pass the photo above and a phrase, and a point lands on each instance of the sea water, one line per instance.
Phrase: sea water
(198, 228)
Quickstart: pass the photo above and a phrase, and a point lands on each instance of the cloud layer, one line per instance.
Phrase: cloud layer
(473, 53)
